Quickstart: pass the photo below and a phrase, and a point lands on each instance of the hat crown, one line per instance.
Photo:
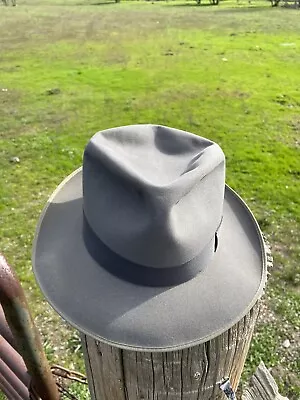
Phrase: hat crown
(153, 194)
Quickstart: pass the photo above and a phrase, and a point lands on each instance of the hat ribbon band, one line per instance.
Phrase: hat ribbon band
(142, 275)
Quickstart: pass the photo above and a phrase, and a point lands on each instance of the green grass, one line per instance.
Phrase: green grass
(229, 73)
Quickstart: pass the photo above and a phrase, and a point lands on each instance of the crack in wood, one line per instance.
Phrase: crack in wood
(190, 374)
(262, 386)
(127, 375)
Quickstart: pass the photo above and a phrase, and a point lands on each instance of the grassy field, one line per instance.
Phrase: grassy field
(230, 73)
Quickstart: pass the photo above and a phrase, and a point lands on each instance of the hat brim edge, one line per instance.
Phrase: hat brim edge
(188, 344)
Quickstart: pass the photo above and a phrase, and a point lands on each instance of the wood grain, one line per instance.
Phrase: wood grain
(262, 386)
(189, 374)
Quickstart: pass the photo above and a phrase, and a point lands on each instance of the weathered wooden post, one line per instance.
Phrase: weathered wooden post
(262, 386)
(159, 263)
(189, 374)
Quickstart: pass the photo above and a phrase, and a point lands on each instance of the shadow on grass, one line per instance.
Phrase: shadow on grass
(104, 3)
(242, 9)
(193, 5)
(101, 3)
(245, 9)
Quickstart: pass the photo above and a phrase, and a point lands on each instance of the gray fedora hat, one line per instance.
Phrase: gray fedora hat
(145, 247)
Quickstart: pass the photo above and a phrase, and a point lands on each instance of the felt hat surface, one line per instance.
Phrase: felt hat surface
(145, 247)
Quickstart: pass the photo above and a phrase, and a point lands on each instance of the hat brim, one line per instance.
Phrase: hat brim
(144, 318)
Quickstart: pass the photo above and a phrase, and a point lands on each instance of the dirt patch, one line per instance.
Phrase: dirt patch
(295, 126)
(232, 93)
(115, 56)
(8, 96)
